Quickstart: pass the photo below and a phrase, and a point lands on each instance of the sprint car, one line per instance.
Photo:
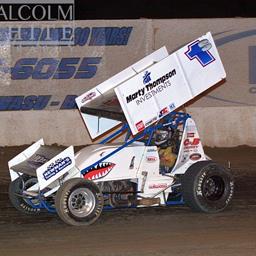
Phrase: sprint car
(125, 169)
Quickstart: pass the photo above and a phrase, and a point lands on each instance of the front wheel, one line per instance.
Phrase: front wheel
(21, 202)
(79, 202)
(207, 187)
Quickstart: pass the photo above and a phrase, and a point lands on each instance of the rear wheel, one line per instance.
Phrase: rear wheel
(207, 187)
(79, 202)
(18, 199)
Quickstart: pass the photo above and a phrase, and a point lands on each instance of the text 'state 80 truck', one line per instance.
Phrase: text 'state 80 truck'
(160, 161)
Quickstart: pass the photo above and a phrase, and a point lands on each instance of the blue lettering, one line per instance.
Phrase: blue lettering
(81, 36)
(24, 102)
(52, 36)
(66, 68)
(23, 68)
(4, 34)
(69, 102)
(87, 68)
(47, 68)
(41, 102)
(15, 103)
(124, 35)
(56, 167)
(51, 65)
(28, 102)
(4, 102)
(110, 35)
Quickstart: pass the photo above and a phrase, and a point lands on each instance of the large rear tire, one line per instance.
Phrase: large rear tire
(18, 200)
(207, 187)
(79, 202)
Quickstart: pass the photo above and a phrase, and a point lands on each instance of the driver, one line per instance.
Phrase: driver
(165, 151)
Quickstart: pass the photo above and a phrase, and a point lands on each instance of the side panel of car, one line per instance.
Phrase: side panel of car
(191, 148)
(119, 166)
(150, 182)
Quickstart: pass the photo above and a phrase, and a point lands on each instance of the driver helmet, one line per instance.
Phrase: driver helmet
(162, 137)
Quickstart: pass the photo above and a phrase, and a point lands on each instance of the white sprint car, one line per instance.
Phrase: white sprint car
(161, 160)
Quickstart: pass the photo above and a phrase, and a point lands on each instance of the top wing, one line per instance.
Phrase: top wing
(150, 89)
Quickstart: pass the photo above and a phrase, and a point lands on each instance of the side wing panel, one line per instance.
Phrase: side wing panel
(56, 167)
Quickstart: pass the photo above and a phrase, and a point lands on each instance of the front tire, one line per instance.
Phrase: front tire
(207, 187)
(79, 202)
(17, 198)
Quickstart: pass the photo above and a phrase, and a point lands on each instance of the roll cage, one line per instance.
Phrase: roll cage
(172, 120)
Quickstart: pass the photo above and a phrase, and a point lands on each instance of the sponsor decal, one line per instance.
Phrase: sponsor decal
(191, 128)
(161, 80)
(190, 134)
(195, 156)
(184, 157)
(140, 126)
(151, 121)
(199, 50)
(56, 167)
(151, 159)
(89, 96)
(191, 143)
(172, 106)
(99, 171)
(152, 150)
(164, 112)
(159, 185)
(199, 187)
(135, 95)
(146, 77)
(151, 89)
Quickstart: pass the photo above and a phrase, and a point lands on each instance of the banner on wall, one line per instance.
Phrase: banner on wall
(45, 65)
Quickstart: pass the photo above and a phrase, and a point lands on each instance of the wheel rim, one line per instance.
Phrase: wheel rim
(213, 188)
(81, 202)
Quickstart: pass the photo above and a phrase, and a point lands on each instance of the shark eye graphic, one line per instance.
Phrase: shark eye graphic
(99, 171)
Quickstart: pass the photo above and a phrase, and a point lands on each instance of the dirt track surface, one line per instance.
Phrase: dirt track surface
(152, 231)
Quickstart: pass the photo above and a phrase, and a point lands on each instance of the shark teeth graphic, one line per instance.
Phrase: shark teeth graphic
(99, 171)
